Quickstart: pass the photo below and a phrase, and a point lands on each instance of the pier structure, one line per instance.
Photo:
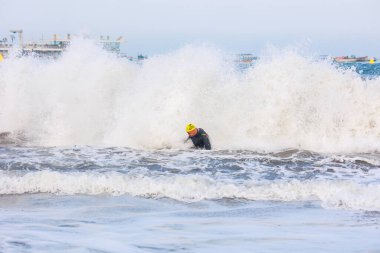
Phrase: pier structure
(49, 48)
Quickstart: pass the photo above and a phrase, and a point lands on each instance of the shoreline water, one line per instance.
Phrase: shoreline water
(116, 224)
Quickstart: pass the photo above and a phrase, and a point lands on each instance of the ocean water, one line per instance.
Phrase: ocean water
(95, 161)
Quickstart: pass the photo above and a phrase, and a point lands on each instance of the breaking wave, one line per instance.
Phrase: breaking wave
(332, 194)
(89, 97)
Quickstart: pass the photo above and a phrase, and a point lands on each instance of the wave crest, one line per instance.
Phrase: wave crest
(331, 194)
(89, 97)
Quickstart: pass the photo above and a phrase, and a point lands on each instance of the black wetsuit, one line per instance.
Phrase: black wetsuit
(201, 140)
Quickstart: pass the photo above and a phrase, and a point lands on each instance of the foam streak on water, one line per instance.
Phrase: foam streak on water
(348, 182)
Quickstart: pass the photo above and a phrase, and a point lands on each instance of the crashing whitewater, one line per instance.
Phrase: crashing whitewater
(286, 100)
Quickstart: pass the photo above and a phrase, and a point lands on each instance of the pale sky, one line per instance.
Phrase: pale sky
(334, 27)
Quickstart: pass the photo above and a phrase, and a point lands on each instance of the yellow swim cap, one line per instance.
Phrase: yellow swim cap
(190, 127)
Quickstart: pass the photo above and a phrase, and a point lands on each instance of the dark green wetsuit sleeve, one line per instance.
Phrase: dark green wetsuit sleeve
(206, 141)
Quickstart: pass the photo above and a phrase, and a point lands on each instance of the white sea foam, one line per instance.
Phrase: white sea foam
(89, 97)
(332, 194)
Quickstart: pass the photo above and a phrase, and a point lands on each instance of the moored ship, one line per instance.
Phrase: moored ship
(343, 59)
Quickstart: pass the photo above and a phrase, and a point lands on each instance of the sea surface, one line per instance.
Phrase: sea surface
(94, 158)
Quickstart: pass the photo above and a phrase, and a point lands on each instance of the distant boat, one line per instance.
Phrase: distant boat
(350, 59)
(246, 58)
